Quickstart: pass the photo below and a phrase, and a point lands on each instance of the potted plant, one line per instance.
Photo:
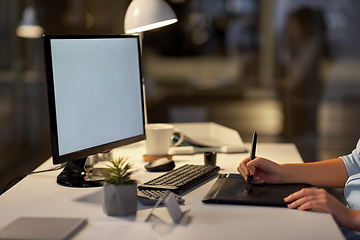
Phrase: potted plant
(120, 191)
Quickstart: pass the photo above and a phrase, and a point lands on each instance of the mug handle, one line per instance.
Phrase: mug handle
(181, 139)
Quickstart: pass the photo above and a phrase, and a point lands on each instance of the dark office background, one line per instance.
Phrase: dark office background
(226, 61)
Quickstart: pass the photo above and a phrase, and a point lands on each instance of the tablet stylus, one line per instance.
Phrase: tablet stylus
(252, 155)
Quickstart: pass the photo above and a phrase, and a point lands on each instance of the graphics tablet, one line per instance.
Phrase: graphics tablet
(233, 189)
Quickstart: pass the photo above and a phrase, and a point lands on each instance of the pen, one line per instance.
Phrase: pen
(252, 155)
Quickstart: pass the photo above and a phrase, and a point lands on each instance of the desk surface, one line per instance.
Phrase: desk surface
(39, 196)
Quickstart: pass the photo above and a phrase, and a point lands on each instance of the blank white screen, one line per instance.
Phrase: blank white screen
(97, 91)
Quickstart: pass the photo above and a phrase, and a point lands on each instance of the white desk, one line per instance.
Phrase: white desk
(39, 195)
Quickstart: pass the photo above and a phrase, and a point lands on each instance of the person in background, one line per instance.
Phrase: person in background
(300, 84)
(339, 172)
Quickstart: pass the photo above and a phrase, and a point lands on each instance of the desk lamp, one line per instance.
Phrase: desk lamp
(144, 15)
(29, 26)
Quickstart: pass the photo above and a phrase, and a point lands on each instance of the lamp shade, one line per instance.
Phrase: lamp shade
(29, 27)
(144, 15)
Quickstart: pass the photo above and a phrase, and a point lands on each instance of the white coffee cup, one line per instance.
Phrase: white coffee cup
(158, 138)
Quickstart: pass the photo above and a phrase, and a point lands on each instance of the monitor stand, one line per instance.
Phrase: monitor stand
(75, 175)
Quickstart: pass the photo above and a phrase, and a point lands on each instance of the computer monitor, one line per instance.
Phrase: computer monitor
(95, 99)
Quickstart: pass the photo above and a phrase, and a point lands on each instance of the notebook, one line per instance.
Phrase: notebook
(233, 189)
(31, 228)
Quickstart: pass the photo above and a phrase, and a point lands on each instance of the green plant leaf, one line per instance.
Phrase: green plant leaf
(119, 172)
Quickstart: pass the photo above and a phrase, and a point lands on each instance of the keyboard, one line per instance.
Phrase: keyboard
(181, 179)
(150, 197)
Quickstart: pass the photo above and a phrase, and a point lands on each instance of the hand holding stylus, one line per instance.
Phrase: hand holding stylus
(263, 170)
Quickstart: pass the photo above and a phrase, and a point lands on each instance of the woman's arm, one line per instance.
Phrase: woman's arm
(328, 173)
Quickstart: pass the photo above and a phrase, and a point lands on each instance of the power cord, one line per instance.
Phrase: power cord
(19, 178)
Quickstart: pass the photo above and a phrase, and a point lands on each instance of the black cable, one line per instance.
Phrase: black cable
(19, 178)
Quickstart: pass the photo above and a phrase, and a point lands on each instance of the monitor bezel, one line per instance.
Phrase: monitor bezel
(57, 158)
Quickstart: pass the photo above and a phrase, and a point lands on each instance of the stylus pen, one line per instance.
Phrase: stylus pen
(252, 155)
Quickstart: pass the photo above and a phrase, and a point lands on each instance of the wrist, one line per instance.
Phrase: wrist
(351, 220)
(286, 174)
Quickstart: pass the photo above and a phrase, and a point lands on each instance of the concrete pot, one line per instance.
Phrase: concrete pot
(120, 200)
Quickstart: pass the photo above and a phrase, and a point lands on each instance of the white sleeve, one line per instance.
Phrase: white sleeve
(352, 161)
